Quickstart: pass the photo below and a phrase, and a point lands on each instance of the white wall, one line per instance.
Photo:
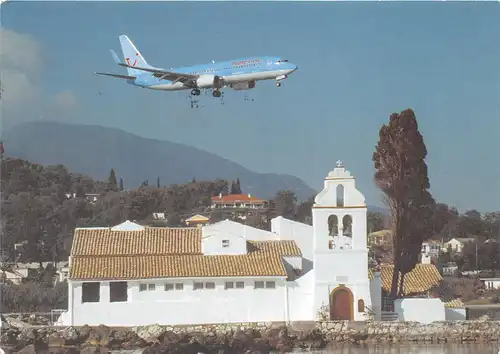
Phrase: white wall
(302, 234)
(301, 298)
(420, 310)
(453, 314)
(376, 295)
(185, 306)
(220, 239)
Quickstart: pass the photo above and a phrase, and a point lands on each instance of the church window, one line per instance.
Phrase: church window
(340, 195)
(90, 292)
(361, 305)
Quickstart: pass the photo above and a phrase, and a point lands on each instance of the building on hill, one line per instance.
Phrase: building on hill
(458, 244)
(228, 272)
(197, 221)
(237, 201)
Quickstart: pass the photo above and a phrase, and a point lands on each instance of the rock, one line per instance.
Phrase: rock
(70, 335)
(151, 333)
(483, 318)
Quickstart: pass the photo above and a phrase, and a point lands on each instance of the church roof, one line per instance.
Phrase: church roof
(102, 253)
(422, 279)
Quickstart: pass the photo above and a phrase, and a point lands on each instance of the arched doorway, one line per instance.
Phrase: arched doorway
(341, 304)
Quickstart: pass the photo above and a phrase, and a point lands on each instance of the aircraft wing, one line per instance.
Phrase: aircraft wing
(165, 75)
(117, 76)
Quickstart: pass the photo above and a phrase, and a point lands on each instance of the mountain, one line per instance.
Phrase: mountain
(94, 150)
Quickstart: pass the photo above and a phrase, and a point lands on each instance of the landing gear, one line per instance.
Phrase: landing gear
(278, 84)
(216, 93)
(195, 92)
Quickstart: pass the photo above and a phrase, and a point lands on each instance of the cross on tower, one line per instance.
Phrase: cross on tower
(339, 164)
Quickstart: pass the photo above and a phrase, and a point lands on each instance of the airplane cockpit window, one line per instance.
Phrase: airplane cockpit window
(282, 61)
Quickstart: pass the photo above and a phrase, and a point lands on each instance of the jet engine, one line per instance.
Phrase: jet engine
(243, 85)
(207, 81)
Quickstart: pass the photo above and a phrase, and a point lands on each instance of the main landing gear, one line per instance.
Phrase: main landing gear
(216, 93)
(278, 84)
(195, 92)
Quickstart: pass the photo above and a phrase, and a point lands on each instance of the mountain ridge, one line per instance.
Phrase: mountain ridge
(80, 148)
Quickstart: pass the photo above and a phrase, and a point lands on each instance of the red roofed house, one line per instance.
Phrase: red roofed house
(240, 201)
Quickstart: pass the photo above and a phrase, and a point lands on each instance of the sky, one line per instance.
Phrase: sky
(358, 63)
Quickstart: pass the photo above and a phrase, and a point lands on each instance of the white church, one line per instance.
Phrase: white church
(227, 272)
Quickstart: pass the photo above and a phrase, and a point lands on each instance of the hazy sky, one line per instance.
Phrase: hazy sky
(358, 63)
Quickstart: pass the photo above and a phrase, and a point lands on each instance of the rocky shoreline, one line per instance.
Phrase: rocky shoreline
(235, 338)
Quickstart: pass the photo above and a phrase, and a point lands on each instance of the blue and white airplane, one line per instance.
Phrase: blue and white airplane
(239, 74)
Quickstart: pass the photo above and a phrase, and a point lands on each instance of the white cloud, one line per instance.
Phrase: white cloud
(22, 64)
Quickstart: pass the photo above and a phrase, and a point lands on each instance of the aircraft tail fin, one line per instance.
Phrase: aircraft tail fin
(132, 56)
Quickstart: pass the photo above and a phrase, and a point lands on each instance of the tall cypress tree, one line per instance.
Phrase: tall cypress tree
(112, 183)
(401, 174)
(121, 183)
(158, 182)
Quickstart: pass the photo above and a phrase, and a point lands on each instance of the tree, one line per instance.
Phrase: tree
(235, 187)
(121, 184)
(194, 180)
(112, 183)
(401, 174)
(375, 221)
(158, 182)
(285, 204)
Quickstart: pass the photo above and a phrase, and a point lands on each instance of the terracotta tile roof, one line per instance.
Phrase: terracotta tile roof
(99, 254)
(151, 241)
(424, 278)
(419, 280)
(232, 198)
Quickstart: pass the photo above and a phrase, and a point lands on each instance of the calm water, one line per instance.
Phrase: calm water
(417, 349)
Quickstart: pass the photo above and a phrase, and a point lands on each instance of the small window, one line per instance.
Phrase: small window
(240, 285)
(118, 291)
(229, 285)
(179, 286)
(143, 287)
(169, 287)
(210, 285)
(197, 286)
(270, 284)
(361, 305)
(151, 287)
(225, 243)
(91, 292)
(259, 285)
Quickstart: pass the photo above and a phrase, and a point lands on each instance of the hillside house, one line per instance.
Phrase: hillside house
(457, 244)
(237, 201)
(430, 251)
(197, 221)
(228, 272)
(379, 238)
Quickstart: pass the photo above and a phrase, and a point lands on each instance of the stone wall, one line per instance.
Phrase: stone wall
(231, 338)
(447, 331)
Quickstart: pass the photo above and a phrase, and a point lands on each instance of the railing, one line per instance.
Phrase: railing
(389, 316)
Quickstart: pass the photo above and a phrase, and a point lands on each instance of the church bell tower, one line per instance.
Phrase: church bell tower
(340, 247)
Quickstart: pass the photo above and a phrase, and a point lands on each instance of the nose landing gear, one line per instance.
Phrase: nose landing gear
(278, 84)
(195, 92)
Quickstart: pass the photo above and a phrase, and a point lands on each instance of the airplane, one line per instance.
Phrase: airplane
(238, 74)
